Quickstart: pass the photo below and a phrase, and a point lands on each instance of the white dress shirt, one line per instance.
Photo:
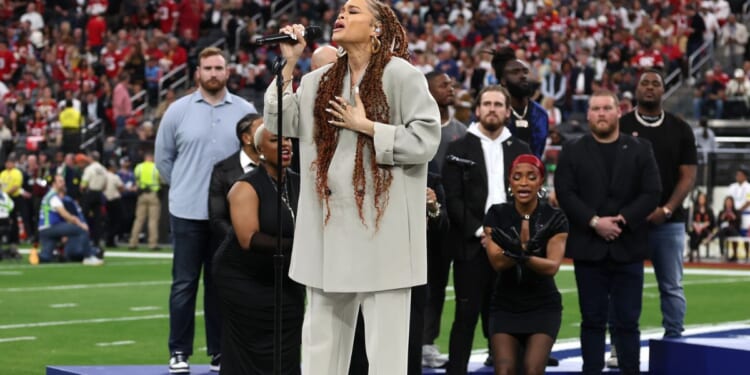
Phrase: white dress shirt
(494, 161)
(246, 163)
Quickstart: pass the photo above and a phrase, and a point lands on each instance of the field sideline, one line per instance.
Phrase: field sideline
(68, 314)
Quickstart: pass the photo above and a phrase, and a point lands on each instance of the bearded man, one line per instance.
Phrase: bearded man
(528, 121)
(196, 132)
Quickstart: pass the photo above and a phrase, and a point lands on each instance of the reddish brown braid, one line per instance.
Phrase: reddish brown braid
(376, 109)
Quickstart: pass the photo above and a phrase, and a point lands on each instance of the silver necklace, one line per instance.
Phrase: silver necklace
(284, 196)
(645, 123)
(520, 122)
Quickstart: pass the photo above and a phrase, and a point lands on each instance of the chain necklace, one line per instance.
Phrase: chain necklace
(284, 195)
(520, 122)
(650, 124)
(521, 116)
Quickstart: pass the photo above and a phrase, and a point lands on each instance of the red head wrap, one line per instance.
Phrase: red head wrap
(529, 159)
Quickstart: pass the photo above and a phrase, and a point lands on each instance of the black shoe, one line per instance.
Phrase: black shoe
(178, 363)
(552, 361)
(157, 248)
(215, 362)
(489, 362)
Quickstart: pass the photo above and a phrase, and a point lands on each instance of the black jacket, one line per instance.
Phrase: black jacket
(224, 174)
(582, 190)
(466, 190)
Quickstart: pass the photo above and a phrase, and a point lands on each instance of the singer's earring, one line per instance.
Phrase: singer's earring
(262, 157)
(375, 46)
(340, 52)
(510, 192)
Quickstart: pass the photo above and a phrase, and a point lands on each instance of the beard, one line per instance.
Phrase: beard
(213, 85)
(491, 123)
(649, 105)
(603, 131)
(521, 90)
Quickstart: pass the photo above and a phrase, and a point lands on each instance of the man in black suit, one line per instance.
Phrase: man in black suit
(474, 177)
(607, 183)
(227, 171)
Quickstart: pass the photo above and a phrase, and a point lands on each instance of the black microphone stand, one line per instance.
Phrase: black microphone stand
(278, 258)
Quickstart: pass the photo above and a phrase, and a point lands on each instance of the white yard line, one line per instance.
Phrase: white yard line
(63, 305)
(733, 280)
(14, 339)
(25, 267)
(127, 254)
(84, 286)
(116, 343)
(145, 308)
(89, 321)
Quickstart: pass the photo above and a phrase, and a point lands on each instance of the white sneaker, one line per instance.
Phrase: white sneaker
(432, 358)
(612, 360)
(92, 261)
(178, 363)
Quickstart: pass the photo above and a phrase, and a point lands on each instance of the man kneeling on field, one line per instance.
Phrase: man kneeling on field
(56, 222)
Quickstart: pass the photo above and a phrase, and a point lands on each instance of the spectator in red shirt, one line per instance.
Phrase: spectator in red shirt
(167, 14)
(96, 30)
(28, 86)
(647, 57)
(190, 13)
(7, 62)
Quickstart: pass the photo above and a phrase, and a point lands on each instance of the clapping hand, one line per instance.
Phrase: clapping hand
(510, 243)
(542, 234)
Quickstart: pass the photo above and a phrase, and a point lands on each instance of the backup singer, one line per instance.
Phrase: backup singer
(243, 267)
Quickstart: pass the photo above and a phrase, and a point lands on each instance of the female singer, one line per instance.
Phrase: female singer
(367, 127)
(243, 266)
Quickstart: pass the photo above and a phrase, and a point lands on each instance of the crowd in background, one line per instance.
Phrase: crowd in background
(64, 66)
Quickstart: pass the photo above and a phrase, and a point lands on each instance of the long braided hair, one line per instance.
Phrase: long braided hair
(393, 43)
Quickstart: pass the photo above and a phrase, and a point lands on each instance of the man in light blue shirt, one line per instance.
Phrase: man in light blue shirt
(196, 132)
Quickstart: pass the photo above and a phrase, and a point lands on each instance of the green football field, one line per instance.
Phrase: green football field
(69, 314)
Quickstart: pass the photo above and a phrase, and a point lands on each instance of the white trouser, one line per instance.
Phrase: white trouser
(330, 321)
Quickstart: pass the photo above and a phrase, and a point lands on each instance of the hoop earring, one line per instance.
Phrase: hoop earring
(542, 193)
(340, 52)
(375, 46)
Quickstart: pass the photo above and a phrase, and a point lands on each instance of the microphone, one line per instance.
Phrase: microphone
(460, 161)
(311, 34)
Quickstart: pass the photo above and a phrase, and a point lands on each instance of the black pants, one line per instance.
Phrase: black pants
(438, 271)
(416, 328)
(473, 280)
(114, 218)
(92, 210)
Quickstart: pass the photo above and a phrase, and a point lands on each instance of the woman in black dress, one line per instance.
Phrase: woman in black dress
(525, 243)
(243, 267)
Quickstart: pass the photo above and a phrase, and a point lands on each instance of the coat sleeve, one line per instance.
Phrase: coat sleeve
(456, 195)
(416, 140)
(567, 189)
(289, 107)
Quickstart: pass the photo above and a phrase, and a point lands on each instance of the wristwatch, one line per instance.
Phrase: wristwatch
(667, 212)
(594, 220)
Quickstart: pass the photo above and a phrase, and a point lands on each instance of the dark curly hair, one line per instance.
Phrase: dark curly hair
(393, 43)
